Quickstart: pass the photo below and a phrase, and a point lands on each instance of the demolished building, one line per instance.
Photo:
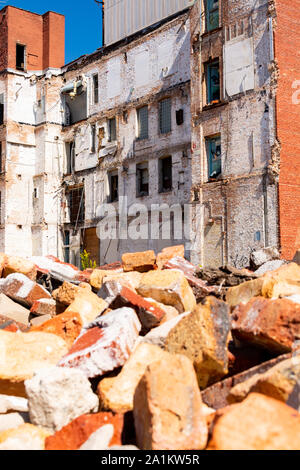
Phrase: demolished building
(190, 107)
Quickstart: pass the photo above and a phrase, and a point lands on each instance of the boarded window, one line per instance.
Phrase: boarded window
(1, 109)
(165, 174)
(112, 130)
(238, 66)
(165, 116)
(113, 186)
(142, 121)
(213, 148)
(213, 82)
(212, 14)
(76, 205)
(95, 88)
(20, 57)
(142, 179)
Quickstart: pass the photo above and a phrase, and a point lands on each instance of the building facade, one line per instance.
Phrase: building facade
(190, 120)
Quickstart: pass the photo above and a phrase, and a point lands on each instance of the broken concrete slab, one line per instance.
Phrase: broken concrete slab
(58, 395)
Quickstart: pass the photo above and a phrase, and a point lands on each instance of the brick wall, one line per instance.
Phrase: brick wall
(43, 36)
(287, 53)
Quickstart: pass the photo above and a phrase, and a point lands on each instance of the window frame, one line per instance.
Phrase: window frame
(209, 141)
(208, 78)
(109, 129)
(208, 5)
(95, 78)
(161, 188)
(162, 129)
(93, 138)
(80, 214)
(140, 167)
(111, 175)
(142, 135)
(21, 69)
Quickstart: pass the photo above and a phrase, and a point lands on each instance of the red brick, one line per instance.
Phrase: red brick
(76, 433)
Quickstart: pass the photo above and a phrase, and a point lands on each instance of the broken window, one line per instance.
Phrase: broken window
(212, 14)
(93, 138)
(95, 88)
(76, 205)
(75, 102)
(142, 179)
(113, 186)
(213, 148)
(165, 116)
(142, 121)
(20, 57)
(66, 243)
(112, 130)
(70, 153)
(1, 109)
(165, 174)
(213, 82)
(179, 117)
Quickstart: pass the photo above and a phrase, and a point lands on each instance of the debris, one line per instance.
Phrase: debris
(203, 336)
(106, 344)
(258, 423)
(75, 434)
(58, 395)
(169, 287)
(168, 408)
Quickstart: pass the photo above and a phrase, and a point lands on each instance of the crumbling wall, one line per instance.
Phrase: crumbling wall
(244, 200)
(141, 73)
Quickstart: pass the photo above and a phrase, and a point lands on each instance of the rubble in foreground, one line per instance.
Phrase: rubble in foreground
(149, 353)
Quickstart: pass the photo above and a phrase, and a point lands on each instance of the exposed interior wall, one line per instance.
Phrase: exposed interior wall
(237, 212)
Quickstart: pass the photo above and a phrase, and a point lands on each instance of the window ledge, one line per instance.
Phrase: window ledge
(214, 105)
(165, 191)
(212, 31)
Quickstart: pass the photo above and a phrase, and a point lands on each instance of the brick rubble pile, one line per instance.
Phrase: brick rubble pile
(150, 353)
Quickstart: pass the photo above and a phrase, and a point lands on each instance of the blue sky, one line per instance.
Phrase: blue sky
(83, 22)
